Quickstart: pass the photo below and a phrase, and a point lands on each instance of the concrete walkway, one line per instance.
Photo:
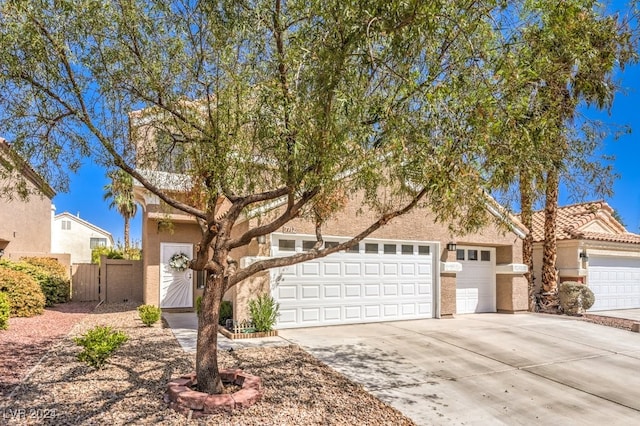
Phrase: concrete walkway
(185, 328)
(485, 368)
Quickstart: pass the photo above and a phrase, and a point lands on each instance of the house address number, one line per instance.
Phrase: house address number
(288, 229)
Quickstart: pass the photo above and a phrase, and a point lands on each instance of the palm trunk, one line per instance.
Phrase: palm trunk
(526, 208)
(207, 372)
(549, 299)
(127, 229)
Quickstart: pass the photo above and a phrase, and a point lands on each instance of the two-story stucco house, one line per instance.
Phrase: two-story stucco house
(76, 236)
(25, 223)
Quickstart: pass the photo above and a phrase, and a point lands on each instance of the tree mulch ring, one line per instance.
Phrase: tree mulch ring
(183, 397)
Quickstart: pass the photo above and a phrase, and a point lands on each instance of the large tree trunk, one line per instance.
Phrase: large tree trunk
(549, 296)
(526, 209)
(207, 347)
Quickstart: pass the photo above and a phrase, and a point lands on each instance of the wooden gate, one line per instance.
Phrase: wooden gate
(85, 282)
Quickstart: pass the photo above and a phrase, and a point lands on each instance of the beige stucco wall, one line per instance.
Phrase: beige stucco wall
(25, 226)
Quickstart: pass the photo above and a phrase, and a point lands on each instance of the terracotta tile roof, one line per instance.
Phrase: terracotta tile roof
(571, 219)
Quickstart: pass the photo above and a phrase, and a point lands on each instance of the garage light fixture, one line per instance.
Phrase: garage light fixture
(1, 252)
(261, 239)
(584, 256)
(451, 246)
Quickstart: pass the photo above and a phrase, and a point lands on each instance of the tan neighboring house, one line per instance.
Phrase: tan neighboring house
(594, 249)
(71, 234)
(25, 224)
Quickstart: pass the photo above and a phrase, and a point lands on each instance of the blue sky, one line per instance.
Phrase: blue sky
(86, 188)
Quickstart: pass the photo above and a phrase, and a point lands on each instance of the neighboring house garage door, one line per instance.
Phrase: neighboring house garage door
(476, 283)
(376, 281)
(615, 281)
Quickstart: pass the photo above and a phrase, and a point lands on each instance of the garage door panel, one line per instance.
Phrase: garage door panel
(332, 291)
(352, 268)
(372, 290)
(615, 282)
(354, 288)
(331, 268)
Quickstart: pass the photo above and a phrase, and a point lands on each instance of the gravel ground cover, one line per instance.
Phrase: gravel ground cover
(622, 323)
(299, 390)
(28, 339)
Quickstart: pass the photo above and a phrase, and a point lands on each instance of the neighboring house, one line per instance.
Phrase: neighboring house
(25, 224)
(76, 236)
(595, 249)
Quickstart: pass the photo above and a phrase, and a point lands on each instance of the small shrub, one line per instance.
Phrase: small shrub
(52, 280)
(226, 312)
(5, 311)
(198, 305)
(264, 312)
(575, 297)
(25, 295)
(99, 343)
(149, 314)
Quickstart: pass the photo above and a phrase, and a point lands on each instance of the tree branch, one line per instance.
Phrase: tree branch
(313, 254)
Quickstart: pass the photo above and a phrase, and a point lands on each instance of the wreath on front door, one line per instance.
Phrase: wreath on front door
(179, 262)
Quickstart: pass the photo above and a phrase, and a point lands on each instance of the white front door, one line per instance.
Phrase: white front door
(476, 283)
(176, 287)
(615, 282)
(378, 280)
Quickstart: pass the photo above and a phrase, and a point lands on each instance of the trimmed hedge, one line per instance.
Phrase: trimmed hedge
(5, 311)
(48, 273)
(24, 294)
(575, 298)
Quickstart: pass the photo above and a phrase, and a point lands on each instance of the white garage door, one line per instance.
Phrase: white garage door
(375, 281)
(476, 283)
(615, 281)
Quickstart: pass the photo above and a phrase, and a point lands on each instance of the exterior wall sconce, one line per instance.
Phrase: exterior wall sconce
(1, 252)
(584, 256)
(451, 246)
(261, 239)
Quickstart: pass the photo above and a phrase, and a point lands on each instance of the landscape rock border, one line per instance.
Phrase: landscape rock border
(181, 397)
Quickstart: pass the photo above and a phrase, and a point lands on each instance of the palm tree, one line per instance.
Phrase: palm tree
(120, 192)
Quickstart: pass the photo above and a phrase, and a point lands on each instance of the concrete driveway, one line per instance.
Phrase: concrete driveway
(489, 368)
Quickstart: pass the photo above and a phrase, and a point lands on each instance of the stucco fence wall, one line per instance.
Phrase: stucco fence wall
(114, 281)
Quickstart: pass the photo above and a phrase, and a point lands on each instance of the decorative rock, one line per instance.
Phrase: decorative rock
(180, 382)
(248, 381)
(635, 327)
(229, 374)
(246, 397)
(192, 399)
(174, 391)
(218, 403)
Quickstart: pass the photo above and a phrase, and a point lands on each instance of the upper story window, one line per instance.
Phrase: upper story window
(66, 225)
(97, 242)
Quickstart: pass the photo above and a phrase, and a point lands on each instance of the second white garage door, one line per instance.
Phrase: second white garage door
(615, 282)
(376, 281)
(476, 283)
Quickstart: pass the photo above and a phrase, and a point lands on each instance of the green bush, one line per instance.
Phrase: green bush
(198, 305)
(5, 311)
(149, 314)
(52, 279)
(25, 295)
(226, 312)
(264, 312)
(99, 343)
